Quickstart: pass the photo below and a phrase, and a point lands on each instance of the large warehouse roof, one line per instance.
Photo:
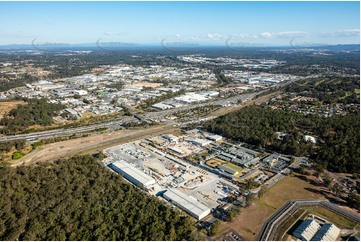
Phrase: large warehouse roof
(306, 230)
(187, 203)
(134, 173)
(327, 232)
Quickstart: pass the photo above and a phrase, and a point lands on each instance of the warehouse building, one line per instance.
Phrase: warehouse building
(177, 150)
(200, 142)
(132, 174)
(306, 230)
(227, 170)
(186, 203)
(328, 232)
(310, 230)
(215, 138)
(161, 106)
(170, 137)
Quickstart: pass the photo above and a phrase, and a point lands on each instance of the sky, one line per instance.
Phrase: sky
(180, 23)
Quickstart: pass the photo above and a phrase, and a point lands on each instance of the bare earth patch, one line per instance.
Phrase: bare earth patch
(5, 107)
(88, 145)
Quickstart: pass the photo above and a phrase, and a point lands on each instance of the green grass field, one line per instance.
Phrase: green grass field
(233, 166)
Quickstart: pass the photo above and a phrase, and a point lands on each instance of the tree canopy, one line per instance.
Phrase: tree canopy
(337, 149)
(35, 112)
(80, 199)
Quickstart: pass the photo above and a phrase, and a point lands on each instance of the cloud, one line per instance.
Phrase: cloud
(266, 35)
(243, 36)
(216, 36)
(342, 33)
(286, 34)
(178, 35)
(111, 33)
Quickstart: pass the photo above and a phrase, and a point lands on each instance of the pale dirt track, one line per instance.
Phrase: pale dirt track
(91, 144)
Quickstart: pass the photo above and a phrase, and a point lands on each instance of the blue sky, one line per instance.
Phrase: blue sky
(259, 23)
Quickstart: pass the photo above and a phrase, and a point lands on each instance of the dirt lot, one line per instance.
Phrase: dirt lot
(5, 107)
(90, 144)
(250, 221)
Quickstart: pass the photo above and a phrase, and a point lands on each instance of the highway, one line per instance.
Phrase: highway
(151, 115)
(62, 132)
(116, 124)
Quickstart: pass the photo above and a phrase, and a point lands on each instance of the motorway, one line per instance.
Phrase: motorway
(116, 124)
(62, 132)
(151, 115)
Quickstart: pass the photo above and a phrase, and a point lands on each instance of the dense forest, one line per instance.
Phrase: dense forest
(7, 82)
(35, 112)
(337, 148)
(329, 90)
(80, 199)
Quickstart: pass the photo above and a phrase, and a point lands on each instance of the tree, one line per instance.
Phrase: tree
(327, 181)
(16, 155)
(68, 200)
(249, 199)
(233, 212)
(214, 227)
(262, 191)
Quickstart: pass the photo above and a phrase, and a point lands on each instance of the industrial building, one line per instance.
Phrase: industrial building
(161, 106)
(186, 203)
(310, 230)
(170, 137)
(215, 138)
(227, 170)
(328, 232)
(200, 142)
(306, 230)
(177, 150)
(132, 174)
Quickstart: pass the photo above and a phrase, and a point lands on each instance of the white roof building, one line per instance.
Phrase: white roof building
(186, 203)
(80, 92)
(177, 150)
(215, 137)
(328, 232)
(306, 230)
(161, 106)
(201, 142)
(132, 174)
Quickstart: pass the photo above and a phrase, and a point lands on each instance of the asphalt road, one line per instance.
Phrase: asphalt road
(62, 132)
(151, 115)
